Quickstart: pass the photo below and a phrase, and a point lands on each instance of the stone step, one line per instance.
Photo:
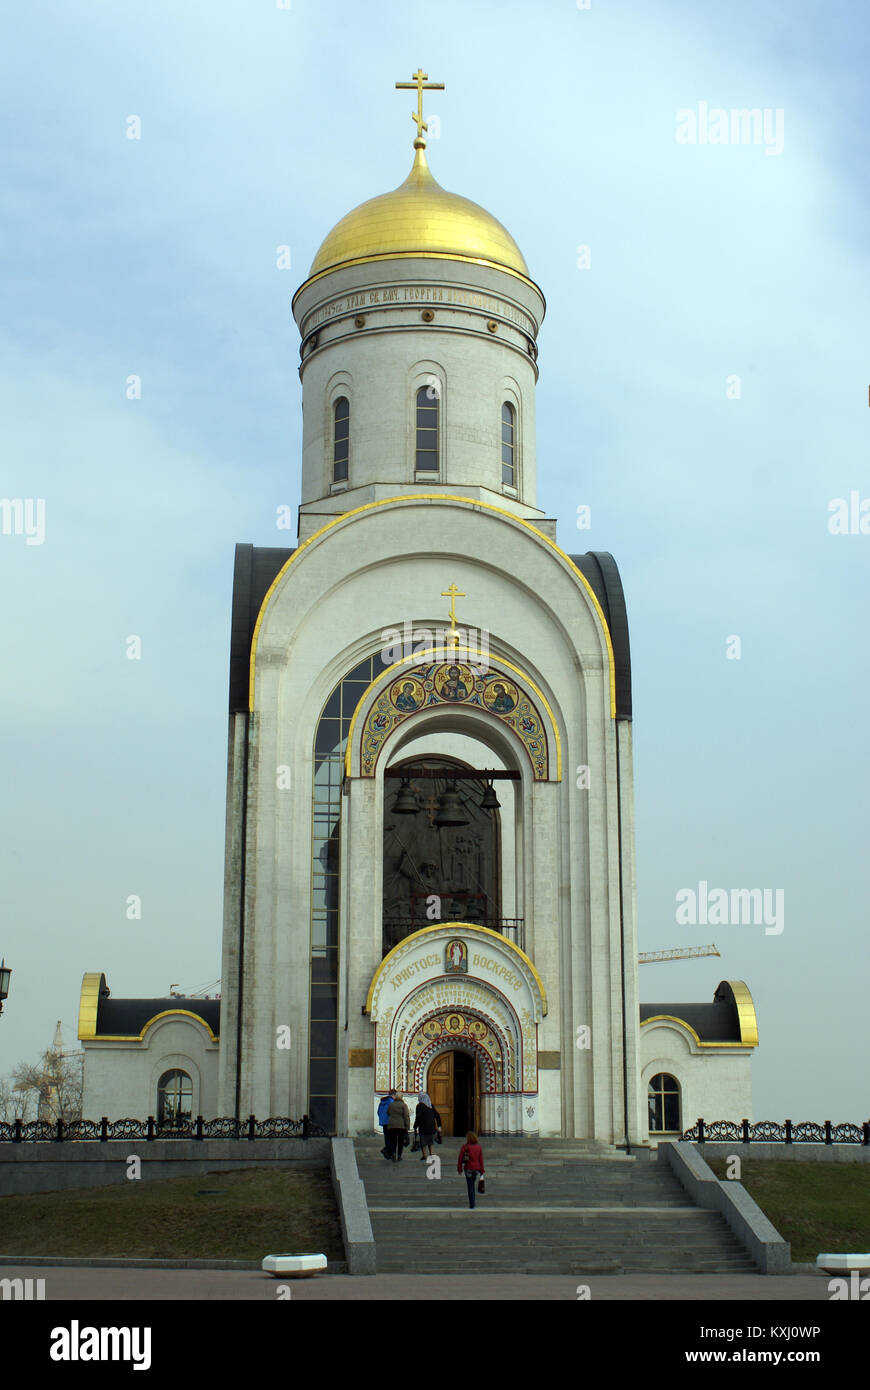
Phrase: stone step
(550, 1207)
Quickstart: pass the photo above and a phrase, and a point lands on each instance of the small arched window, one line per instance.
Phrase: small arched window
(508, 445)
(428, 402)
(174, 1098)
(340, 439)
(663, 1099)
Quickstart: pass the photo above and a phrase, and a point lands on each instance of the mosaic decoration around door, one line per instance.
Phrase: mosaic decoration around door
(454, 683)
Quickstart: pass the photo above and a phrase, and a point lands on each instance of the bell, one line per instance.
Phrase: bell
(490, 801)
(406, 802)
(450, 810)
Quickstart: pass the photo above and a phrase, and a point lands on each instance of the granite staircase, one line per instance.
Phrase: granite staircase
(552, 1206)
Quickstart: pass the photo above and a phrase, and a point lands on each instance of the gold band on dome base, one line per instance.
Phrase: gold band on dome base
(435, 497)
(419, 256)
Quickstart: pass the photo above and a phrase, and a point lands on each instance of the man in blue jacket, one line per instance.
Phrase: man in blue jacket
(383, 1116)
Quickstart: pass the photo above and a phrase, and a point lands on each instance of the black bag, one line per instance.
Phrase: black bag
(416, 1144)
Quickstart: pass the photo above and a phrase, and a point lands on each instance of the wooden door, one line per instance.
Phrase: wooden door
(439, 1084)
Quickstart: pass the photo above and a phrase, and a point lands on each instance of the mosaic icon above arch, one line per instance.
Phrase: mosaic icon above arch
(455, 683)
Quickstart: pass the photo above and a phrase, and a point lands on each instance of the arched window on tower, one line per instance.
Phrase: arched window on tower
(508, 445)
(174, 1098)
(428, 401)
(340, 439)
(663, 1099)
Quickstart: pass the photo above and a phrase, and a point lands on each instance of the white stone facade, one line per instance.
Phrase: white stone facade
(376, 553)
(715, 1081)
(121, 1077)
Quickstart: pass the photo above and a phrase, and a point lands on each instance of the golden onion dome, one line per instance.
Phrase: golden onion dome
(419, 218)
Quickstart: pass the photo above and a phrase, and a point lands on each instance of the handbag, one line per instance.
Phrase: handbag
(481, 1186)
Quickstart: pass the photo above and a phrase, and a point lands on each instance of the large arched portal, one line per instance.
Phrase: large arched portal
(460, 989)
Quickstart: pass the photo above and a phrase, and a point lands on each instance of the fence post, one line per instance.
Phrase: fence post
(788, 1131)
(306, 1126)
(828, 1139)
(59, 1134)
(150, 1133)
(746, 1138)
(17, 1137)
(198, 1127)
(251, 1123)
(866, 1128)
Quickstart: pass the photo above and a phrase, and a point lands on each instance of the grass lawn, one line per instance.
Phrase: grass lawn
(818, 1207)
(251, 1214)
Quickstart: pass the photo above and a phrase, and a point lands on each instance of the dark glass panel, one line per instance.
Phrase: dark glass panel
(327, 738)
(321, 1110)
(324, 965)
(672, 1111)
(324, 1002)
(322, 1076)
(323, 1040)
(332, 708)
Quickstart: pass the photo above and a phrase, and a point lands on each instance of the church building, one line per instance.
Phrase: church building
(430, 865)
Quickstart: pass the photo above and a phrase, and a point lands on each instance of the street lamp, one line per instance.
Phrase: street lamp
(5, 973)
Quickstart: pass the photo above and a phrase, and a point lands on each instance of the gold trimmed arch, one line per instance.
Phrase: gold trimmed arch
(436, 497)
(408, 668)
(452, 928)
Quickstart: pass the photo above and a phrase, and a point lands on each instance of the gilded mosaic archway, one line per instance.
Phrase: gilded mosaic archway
(459, 681)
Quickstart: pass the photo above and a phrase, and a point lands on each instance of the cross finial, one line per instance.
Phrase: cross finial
(420, 84)
(453, 594)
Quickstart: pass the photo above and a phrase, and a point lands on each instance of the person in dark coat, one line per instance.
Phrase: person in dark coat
(471, 1163)
(383, 1108)
(427, 1122)
(398, 1124)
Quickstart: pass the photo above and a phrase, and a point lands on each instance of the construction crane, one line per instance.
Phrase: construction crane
(679, 953)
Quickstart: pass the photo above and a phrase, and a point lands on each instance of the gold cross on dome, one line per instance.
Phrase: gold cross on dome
(453, 594)
(421, 83)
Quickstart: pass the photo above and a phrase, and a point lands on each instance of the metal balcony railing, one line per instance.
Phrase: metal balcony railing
(397, 928)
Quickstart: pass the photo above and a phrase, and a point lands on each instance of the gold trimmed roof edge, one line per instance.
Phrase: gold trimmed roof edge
(434, 497)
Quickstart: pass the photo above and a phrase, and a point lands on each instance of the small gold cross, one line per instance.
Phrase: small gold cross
(421, 83)
(453, 594)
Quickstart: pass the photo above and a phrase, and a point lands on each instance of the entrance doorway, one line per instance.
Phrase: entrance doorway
(453, 1086)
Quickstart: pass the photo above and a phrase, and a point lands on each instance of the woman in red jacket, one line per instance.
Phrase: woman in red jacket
(471, 1163)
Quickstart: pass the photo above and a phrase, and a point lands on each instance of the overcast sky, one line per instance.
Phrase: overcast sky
(713, 269)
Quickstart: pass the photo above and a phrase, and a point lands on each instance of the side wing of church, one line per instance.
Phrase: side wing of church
(430, 869)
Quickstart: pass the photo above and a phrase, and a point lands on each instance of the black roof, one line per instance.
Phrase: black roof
(257, 566)
(127, 1017)
(716, 1022)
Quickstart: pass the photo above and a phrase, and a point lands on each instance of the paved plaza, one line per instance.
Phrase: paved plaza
(73, 1283)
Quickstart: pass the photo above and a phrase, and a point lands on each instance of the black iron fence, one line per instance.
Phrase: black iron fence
(104, 1130)
(772, 1132)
